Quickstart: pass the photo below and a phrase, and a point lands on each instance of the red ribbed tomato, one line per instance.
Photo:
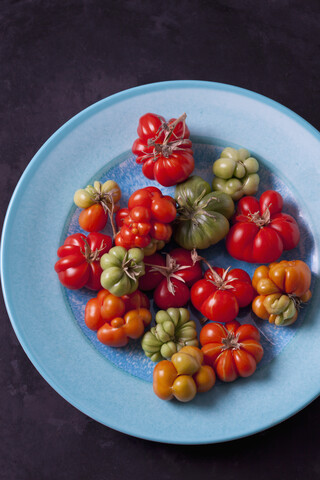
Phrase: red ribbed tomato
(79, 264)
(261, 232)
(220, 293)
(164, 149)
(232, 351)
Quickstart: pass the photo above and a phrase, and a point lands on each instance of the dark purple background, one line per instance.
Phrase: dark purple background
(58, 57)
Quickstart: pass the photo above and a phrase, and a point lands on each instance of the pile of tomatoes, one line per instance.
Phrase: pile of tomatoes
(121, 268)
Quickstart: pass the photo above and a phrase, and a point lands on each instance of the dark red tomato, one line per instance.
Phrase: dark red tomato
(261, 232)
(171, 277)
(164, 149)
(79, 264)
(136, 300)
(151, 279)
(164, 298)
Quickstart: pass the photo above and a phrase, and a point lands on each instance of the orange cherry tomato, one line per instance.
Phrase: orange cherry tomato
(120, 329)
(112, 307)
(164, 374)
(205, 378)
(93, 219)
(92, 316)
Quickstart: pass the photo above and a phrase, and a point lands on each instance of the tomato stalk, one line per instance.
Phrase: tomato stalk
(169, 271)
(219, 281)
(261, 220)
(105, 199)
(189, 211)
(131, 268)
(92, 255)
(166, 148)
(231, 342)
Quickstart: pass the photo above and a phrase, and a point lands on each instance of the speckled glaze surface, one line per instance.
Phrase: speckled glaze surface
(48, 320)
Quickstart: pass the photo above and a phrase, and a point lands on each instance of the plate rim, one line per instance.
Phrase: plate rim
(35, 162)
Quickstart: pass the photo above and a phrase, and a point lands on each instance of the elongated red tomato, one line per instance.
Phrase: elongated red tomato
(164, 149)
(261, 232)
(232, 350)
(79, 264)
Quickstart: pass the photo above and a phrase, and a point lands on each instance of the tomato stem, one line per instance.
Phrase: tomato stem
(169, 271)
(92, 255)
(261, 220)
(105, 199)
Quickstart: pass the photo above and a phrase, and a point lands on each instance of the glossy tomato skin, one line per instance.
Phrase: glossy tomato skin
(157, 281)
(93, 219)
(173, 164)
(147, 217)
(174, 169)
(216, 305)
(232, 350)
(220, 302)
(252, 242)
(151, 279)
(241, 284)
(165, 299)
(74, 269)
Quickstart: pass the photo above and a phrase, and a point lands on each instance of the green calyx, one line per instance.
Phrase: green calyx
(173, 330)
(122, 270)
(236, 173)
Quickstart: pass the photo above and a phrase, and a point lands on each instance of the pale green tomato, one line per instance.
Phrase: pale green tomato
(173, 330)
(224, 167)
(121, 270)
(251, 184)
(240, 180)
(98, 193)
(251, 165)
(83, 199)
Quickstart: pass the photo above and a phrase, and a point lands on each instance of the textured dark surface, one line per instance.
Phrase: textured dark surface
(58, 57)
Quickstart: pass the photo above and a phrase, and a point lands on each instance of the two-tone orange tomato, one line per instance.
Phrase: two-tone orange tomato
(281, 288)
(183, 376)
(232, 350)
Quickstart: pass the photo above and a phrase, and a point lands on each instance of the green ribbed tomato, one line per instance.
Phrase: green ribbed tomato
(202, 214)
(121, 270)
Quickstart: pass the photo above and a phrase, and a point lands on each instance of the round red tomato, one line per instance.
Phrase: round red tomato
(79, 264)
(164, 149)
(261, 232)
(170, 277)
(220, 293)
(232, 350)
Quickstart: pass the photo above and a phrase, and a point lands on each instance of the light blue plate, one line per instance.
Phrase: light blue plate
(113, 385)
